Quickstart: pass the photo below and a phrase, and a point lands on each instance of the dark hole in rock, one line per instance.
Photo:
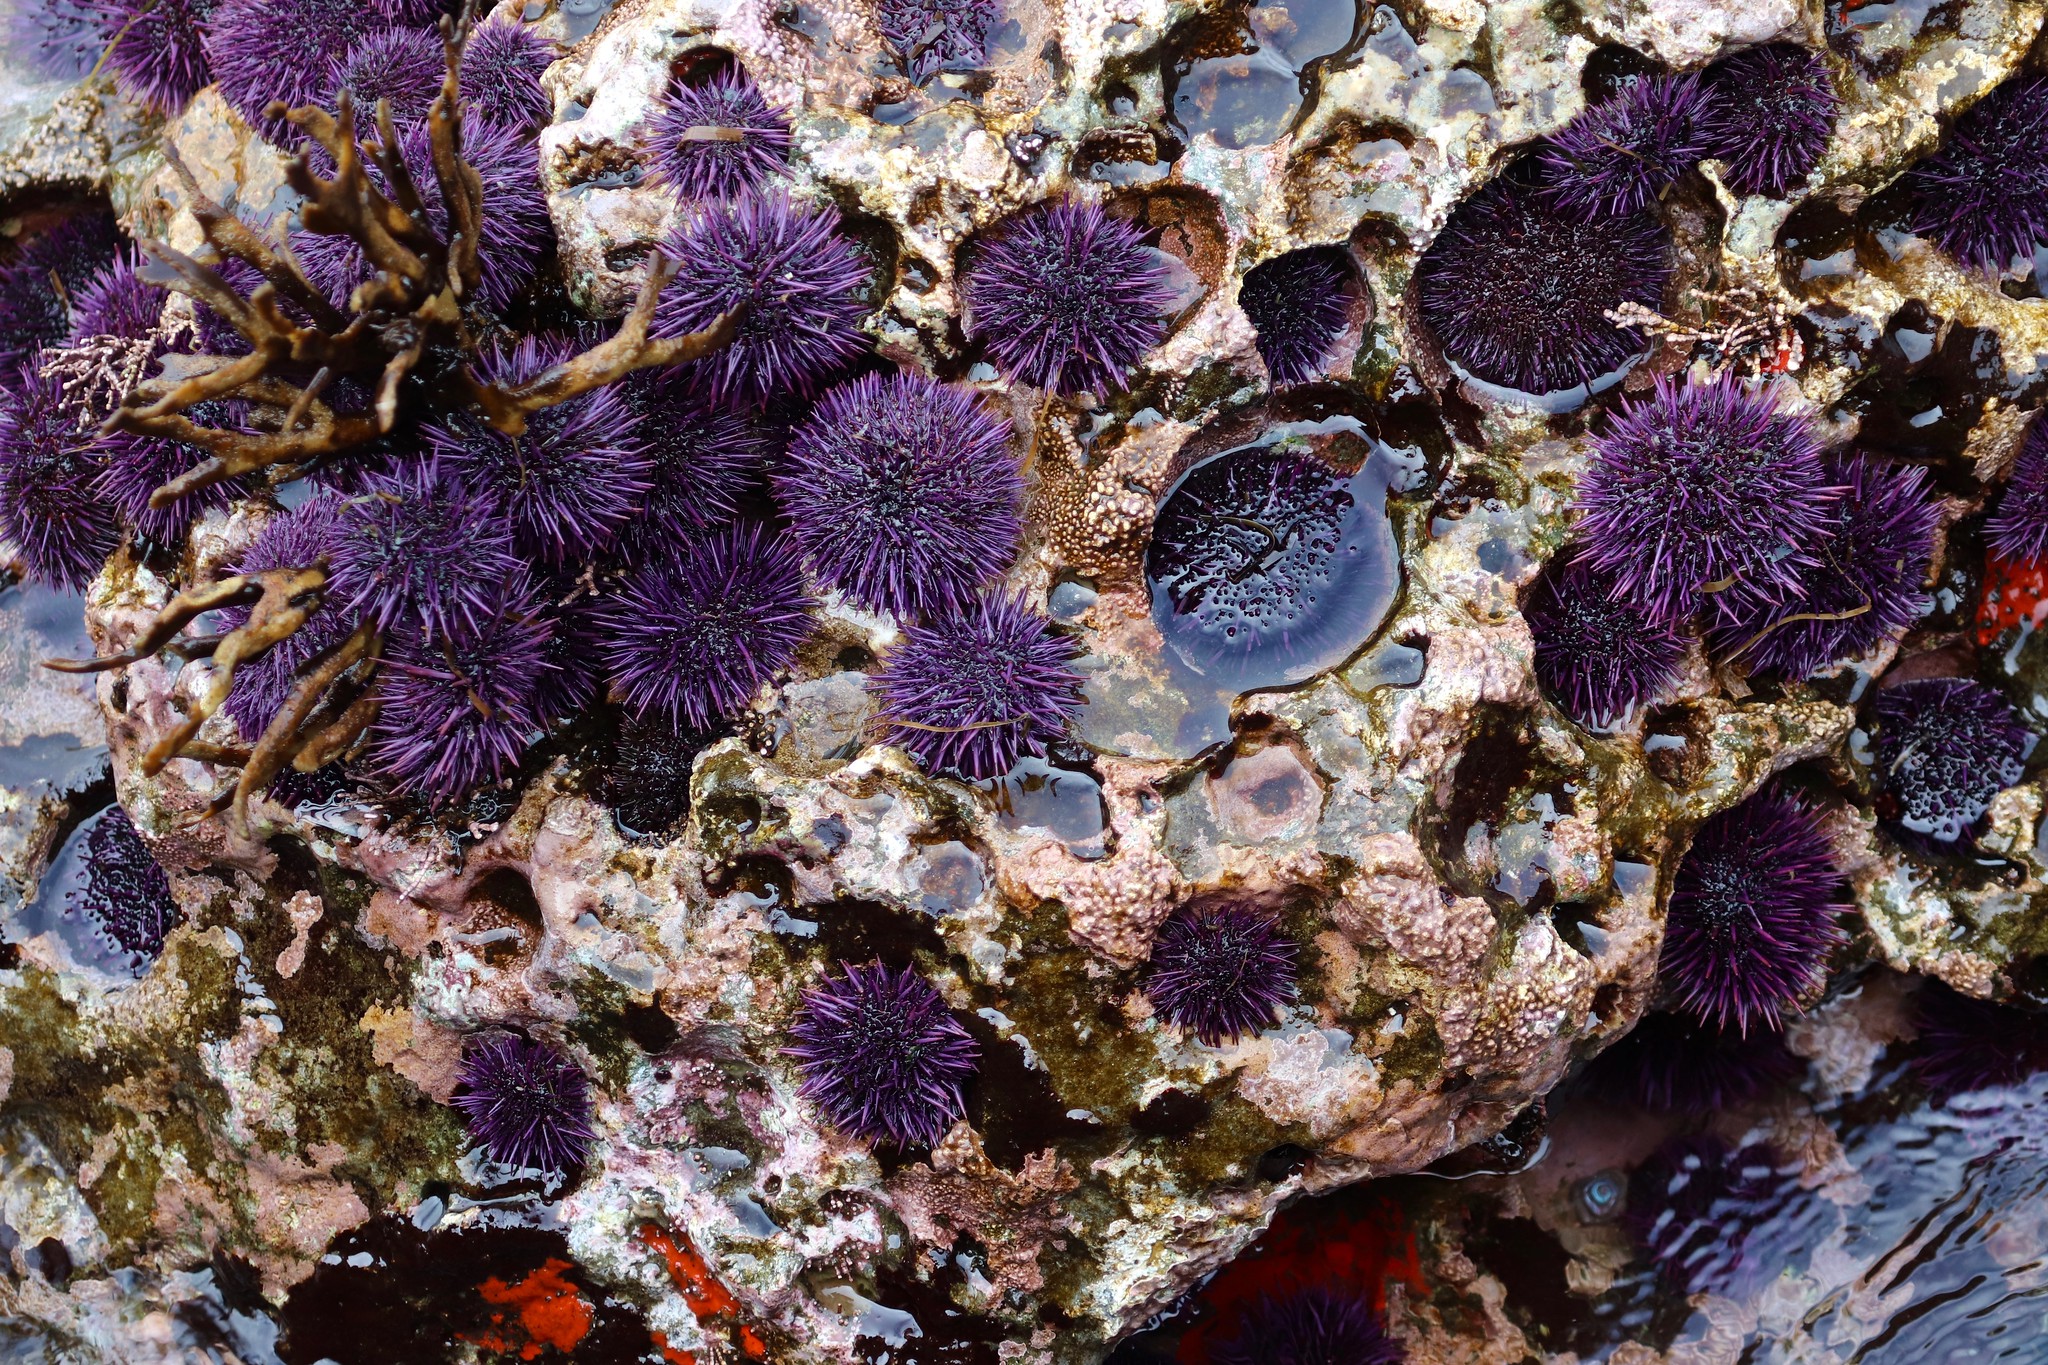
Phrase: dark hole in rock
(1818, 242)
(1605, 1000)
(762, 876)
(860, 931)
(650, 1028)
(507, 890)
(1531, 1264)
(1514, 1148)
(1013, 1105)
(1576, 924)
(51, 1259)
(646, 779)
(946, 1334)
(1300, 303)
(1172, 1114)
(1283, 1162)
(1610, 69)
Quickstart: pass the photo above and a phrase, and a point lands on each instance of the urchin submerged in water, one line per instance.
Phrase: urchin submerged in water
(527, 1103)
(1752, 917)
(1599, 651)
(1692, 1203)
(51, 508)
(1945, 747)
(903, 493)
(1221, 970)
(881, 1054)
(1669, 1063)
(1312, 1326)
(123, 891)
(1969, 1044)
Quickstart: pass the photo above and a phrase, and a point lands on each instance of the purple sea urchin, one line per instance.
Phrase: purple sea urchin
(401, 65)
(975, 691)
(1970, 1044)
(694, 637)
(881, 1054)
(158, 55)
(420, 545)
(647, 781)
(930, 36)
(1701, 487)
(1769, 113)
(1945, 747)
(284, 50)
(291, 540)
(458, 710)
(60, 39)
(1067, 297)
(116, 302)
(718, 139)
(34, 313)
(1752, 917)
(2018, 530)
(1984, 195)
(573, 672)
(1599, 651)
(1692, 1203)
(799, 279)
(501, 71)
(1619, 157)
(1298, 304)
(1671, 1064)
(571, 481)
(136, 466)
(50, 508)
(1863, 587)
(526, 1102)
(1221, 970)
(1518, 294)
(123, 892)
(1314, 1326)
(702, 460)
(903, 493)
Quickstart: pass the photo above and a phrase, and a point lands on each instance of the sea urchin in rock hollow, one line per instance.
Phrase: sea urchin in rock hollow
(1221, 969)
(1599, 651)
(881, 1054)
(717, 139)
(1984, 195)
(1945, 747)
(1298, 304)
(1313, 1326)
(527, 1103)
(2018, 529)
(1669, 1063)
(1770, 111)
(123, 891)
(37, 280)
(1619, 157)
(51, 510)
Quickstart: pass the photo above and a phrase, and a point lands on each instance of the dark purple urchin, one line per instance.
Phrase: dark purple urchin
(1863, 588)
(1752, 915)
(516, 228)
(571, 481)
(1970, 1044)
(1700, 487)
(51, 512)
(1945, 747)
(1221, 970)
(459, 710)
(1769, 113)
(116, 302)
(291, 540)
(501, 71)
(1984, 195)
(1692, 1203)
(718, 139)
(59, 39)
(703, 460)
(1314, 1326)
(1671, 1064)
(1067, 297)
(1517, 294)
(2018, 530)
(693, 637)
(33, 313)
(284, 50)
(527, 1103)
(1599, 651)
(1620, 157)
(930, 36)
(1299, 305)
(423, 546)
(137, 465)
(881, 1054)
(401, 65)
(800, 280)
(159, 53)
(903, 493)
(974, 692)
(123, 890)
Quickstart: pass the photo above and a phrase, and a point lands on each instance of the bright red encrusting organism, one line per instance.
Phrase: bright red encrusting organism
(709, 1299)
(547, 1311)
(2015, 596)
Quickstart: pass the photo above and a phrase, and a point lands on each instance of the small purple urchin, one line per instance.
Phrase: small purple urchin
(694, 637)
(1599, 651)
(138, 465)
(571, 481)
(33, 313)
(458, 710)
(501, 71)
(1067, 297)
(930, 36)
(1945, 747)
(1752, 917)
(124, 891)
(284, 50)
(291, 540)
(1221, 970)
(420, 545)
(1770, 111)
(703, 459)
(1970, 1044)
(116, 302)
(1314, 1326)
(516, 229)
(50, 508)
(1863, 588)
(2018, 530)
(1518, 294)
(159, 52)
(976, 691)
(800, 280)
(401, 65)
(718, 139)
(59, 39)
(1620, 157)
(1700, 487)
(1299, 305)
(1671, 1064)
(1984, 195)
(882, 1055)
(903, 493)
(1692, 1203)
(526, 1102)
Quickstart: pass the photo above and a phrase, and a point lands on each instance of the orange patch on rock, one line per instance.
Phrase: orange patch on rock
(2015, 596)
(708, 1299)
(546, 1310)
(674, 1355)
